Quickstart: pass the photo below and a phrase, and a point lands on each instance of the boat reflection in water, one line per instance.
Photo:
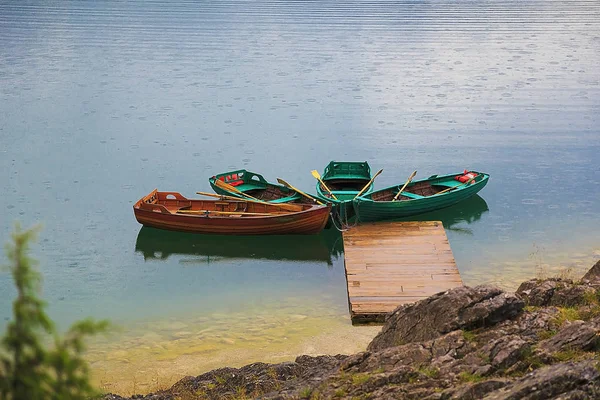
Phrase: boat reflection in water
(469, 211)
(160, 244)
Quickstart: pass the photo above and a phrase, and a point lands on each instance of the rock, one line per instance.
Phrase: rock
(527, 325)
(473, 391)
(554, 292)
(229, 382)
(553, 382)
(505, 351)
(387, 359)
(571, 295)
(537, 293)
(414, 354)
(593, 275)
(577, 335)
(320, 366)
(458, 308)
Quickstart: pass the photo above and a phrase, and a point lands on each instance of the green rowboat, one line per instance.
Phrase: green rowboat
(433, 193)
(345, 179)
(254, 185)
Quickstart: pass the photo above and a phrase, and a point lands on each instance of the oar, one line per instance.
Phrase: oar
(284, 206)
(229, 212)
(316, 174)
(456, 187)
(410, 178)
(369, 183)
(224, 196)
(287, 185)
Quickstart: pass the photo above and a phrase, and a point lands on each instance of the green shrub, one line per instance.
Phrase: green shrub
(28, 369)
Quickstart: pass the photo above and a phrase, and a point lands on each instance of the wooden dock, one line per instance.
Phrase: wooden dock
(393, 263)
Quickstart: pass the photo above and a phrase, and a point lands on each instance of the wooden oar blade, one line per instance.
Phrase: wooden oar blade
(287, 185)
(410, 178)
(369, 183)
(284, 183)
(224, 185)
(316, 174)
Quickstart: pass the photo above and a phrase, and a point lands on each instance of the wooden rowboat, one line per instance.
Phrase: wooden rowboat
(254, 185)
(341, 182)
(172, 211)
(433, 193)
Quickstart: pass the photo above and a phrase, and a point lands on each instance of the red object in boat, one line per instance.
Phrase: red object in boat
(466, 176)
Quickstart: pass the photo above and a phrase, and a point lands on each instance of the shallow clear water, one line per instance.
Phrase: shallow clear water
(102, 101)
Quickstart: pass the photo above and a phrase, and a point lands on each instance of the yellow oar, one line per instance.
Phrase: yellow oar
(287, 185)
(369, 183)
(410, 178)
(224, 196)
(226, 186)
(456, 187)
(316, 174)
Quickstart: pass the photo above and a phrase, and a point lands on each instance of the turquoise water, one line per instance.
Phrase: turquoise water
(102, 101)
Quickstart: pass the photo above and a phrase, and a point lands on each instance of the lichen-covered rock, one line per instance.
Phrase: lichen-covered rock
(555, 292)
(414, 354)
(505, 351)
(458, 308)
(557, 381)
(537, 293)
(527, 325)
(473, 391)
(571, 295)
(577, 335)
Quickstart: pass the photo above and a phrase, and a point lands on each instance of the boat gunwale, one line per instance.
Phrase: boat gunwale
(137, 204)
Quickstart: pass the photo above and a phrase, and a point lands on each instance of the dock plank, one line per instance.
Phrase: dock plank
(389, 264)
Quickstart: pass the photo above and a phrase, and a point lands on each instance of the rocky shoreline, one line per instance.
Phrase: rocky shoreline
(540, 342)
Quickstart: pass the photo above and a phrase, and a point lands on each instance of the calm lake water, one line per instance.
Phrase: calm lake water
(102, 101)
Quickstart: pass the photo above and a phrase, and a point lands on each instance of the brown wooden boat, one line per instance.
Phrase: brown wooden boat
(172, 211)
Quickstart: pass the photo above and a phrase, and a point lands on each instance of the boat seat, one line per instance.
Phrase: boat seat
(449, 183)
(184, 208)
(412, 195)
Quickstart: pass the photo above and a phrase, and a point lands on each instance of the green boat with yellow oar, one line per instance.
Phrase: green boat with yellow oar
(341, 183)
(241, 181)
(416, 197)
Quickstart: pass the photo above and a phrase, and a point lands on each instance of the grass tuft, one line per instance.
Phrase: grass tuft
(546, 334)
(430, 372)
(305, 393)
(469, 336)
(566, 314)
(466, 376)
(359, 379)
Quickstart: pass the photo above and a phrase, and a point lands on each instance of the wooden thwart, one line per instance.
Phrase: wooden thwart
(393, 263)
